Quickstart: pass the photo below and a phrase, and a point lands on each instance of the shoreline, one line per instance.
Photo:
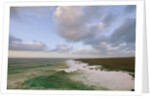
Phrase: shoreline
(112, 64)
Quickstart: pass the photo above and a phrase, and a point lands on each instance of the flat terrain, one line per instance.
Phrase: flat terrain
(69, 74)
(124, 64)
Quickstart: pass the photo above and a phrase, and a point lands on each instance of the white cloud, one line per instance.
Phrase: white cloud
(30, 46)
(18, 44)
(62, 48)
(112, 48)
(85, 51)
(93, 26)
(74, 23)
(107, 33)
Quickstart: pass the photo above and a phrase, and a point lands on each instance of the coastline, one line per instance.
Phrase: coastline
(112, 64)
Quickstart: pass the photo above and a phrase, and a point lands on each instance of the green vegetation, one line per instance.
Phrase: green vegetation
(124, 64)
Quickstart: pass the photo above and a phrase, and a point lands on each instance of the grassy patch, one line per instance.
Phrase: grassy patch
(124, 64)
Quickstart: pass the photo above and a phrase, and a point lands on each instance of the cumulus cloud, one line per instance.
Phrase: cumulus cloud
(95, 26)
(120, 42)
(108, 33)
(74, 23)
(18, 44)
(62, 48)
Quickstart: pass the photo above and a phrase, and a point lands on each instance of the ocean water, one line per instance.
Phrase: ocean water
(64, 74)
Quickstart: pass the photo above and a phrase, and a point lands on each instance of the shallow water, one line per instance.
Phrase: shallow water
(64, 74)
(90, 75)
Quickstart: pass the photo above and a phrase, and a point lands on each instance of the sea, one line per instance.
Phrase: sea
(64, 74)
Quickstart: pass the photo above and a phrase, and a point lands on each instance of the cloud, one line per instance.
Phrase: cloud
(94, 12)
(85, 51)
(62, 48)
(108, 33)
(110, 19)
(18, 44)
(18, 13)
(130, 8)
(124, 33)
(120, 42)
(105, 31)
(74, 23)
(14, 39)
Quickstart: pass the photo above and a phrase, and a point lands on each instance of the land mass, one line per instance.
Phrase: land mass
(124, 64)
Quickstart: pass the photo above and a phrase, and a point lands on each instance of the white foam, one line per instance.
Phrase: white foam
(76, 65)
(100, 79)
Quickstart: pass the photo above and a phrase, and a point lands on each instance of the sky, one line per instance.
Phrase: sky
(72, 31)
